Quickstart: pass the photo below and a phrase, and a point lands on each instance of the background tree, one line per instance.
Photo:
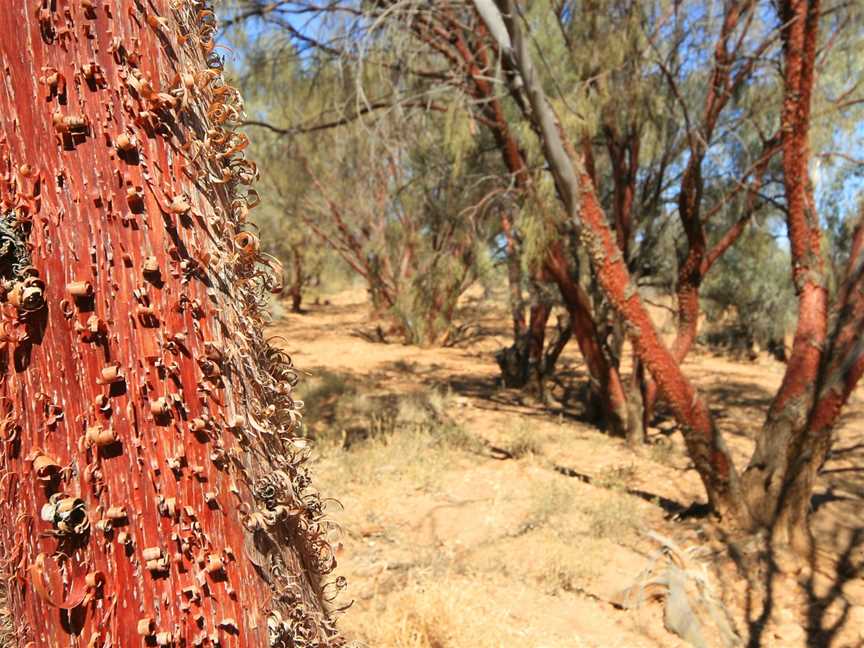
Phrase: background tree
(749, 298)
(824, 365)
(665, 128)
(152, 486)
(411, 218)
(266, 70)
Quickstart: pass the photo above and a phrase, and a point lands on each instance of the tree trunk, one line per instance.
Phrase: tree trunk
(296, 290)
(518, 361)
(767, 478)
(152, 489)
(839, 376)
(641, 386)
(516, 300)
(606, 386)
(577, 194)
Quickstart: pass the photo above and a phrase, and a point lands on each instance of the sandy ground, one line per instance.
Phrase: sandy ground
(455, 546)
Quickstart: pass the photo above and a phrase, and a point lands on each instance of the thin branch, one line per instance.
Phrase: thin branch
(346, 119)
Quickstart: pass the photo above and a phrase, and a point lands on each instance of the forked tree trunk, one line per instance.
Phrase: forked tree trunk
(152, 491)
(575, 189)
(823, 369)
(767, 477)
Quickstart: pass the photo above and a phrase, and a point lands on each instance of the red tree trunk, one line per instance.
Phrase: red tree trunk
(766, 475)
(576, 190)
(838, 377)
(607, 387)
(152, 490)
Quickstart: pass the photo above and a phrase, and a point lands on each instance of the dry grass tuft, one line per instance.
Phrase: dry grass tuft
(430, 612)
(569, 563)
(386, 436)
(338, 412)
(548, 500)
(616, 518)
(617, 477)
(662, 451)
(7, 626)
(521, 442)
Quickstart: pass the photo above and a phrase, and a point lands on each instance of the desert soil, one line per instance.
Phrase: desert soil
(525, 528)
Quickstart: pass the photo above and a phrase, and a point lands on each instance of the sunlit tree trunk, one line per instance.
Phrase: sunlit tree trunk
(787, 418)
(824, 366)
(152, 490)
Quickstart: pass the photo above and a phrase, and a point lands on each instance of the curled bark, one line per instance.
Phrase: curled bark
(153, 486)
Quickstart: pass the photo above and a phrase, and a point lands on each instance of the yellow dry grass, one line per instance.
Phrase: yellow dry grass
(445, 543)
(431, 611)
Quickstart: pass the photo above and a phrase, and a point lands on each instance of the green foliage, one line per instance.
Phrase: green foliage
(417, 176)
(405, 201)
(749, 294)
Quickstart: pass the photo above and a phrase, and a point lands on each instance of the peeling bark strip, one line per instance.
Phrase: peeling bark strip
(153, 491)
